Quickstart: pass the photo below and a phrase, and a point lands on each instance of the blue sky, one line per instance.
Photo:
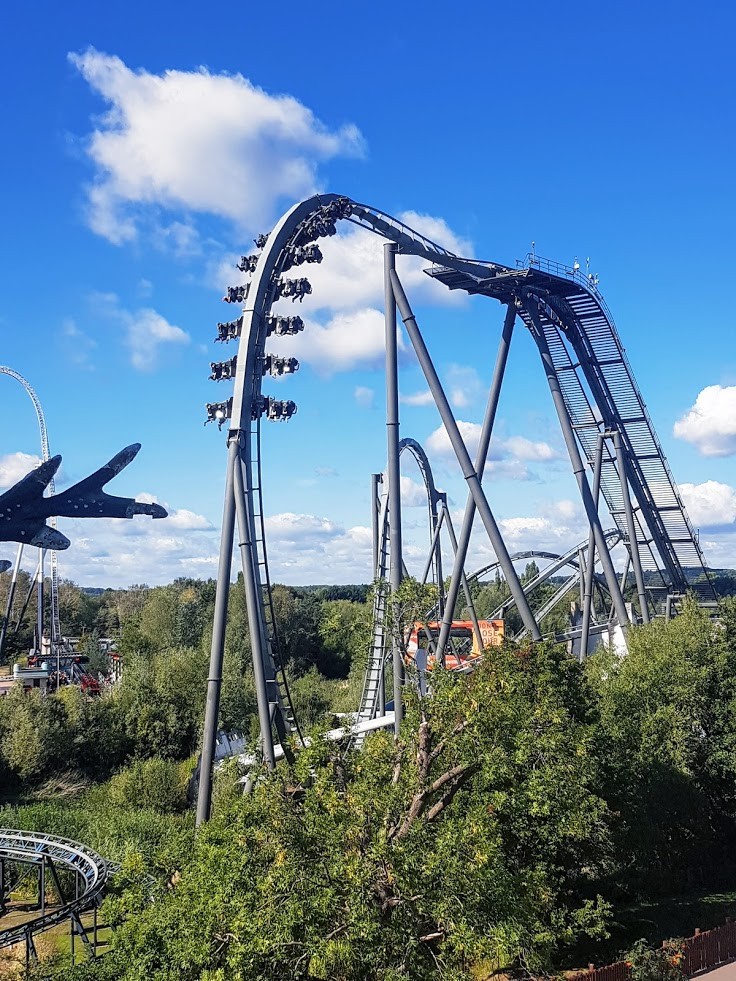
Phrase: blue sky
(146, 145)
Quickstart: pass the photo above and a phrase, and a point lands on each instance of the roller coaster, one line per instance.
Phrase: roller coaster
(614, 453)
(52, 859)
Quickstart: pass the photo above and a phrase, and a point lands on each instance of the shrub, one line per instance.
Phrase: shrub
(153, 784)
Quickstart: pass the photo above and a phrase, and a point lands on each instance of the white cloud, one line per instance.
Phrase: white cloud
(118, 552)
(506, 455)
(188, 521)
(463, 385)
(557, 527)
(417, 398)
(77, 345)
(413, 494)
(711, 423)
(146, 331)
(145, 498)
(710, 504)
(524, 529)
(14, 466)
(365, 397)
(200, 142)
(179, 237)
(525, 449)
(438, 231)
(565, 511)
(304, 548)
(347, 341)
(298, 528)
(180, 518)
(438, 442)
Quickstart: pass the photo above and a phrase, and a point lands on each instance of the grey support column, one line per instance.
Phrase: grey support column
(590, 564)
(463, 457)
(581, 582)
(255, 619)
(42, 886)
(631, 527)
(217, 649)
(394, 471)
(11, 597)
(480, 463)
(39, 598)
(577, 463)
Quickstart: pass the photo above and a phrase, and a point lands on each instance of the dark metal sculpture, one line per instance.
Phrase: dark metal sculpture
(24, 509)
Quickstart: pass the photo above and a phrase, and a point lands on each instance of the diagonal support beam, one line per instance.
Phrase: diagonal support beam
(481, 456)
(590, 566)
(217, 649)
(631, 526)
(463, 583)
(463, 457)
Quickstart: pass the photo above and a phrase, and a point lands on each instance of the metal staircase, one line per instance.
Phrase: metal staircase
(374, 671)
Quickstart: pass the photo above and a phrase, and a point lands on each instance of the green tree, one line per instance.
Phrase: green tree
(344, 633)
(474, 840)
(35, 735)
(161, 701)
(297, 625)
(668, 746)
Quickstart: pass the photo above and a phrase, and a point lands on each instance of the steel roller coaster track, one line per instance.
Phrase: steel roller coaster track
(50, 854)
(596, 397)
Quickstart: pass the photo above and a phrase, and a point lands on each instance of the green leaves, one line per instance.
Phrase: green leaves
(473, 840)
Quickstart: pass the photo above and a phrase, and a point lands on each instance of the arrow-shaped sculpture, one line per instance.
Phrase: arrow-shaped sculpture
(24, 509)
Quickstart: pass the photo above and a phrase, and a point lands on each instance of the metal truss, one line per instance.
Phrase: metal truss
(372, 702)
(564, 309)
(49, 854)
(607, 429)
(576, 558)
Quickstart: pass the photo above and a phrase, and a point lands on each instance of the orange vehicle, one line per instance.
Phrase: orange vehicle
(462, 648)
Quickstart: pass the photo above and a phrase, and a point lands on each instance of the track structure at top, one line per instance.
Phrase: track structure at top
(578, 325)
(598, 403)
(50, 854)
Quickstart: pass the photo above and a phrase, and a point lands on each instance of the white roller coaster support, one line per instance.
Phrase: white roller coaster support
(55, 626)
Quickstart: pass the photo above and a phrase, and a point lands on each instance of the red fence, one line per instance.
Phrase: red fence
(706, 950)
(701, 952)
(620, 971)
